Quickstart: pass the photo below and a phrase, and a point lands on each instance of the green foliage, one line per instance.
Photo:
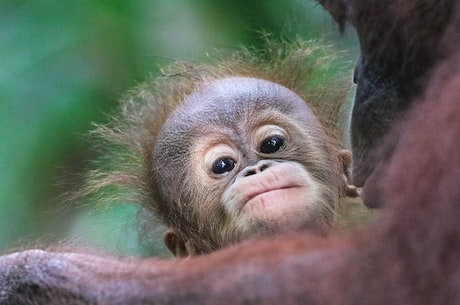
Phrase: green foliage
(64, 64)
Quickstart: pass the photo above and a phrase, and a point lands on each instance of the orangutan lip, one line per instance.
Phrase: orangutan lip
(255, 194)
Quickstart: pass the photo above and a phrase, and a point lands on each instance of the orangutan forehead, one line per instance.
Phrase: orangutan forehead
(238, 94)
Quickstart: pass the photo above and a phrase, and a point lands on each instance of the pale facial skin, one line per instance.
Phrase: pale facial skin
(243, 157)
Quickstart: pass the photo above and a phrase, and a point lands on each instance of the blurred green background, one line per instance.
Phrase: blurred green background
(64, 64)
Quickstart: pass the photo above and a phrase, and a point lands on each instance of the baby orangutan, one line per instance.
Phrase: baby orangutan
(244, 156)
(230, 154)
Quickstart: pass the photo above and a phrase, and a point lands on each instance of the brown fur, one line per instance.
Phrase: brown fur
(410, 256)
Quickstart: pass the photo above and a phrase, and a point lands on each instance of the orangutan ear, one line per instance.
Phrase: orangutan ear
(345, 160)
(177, 245)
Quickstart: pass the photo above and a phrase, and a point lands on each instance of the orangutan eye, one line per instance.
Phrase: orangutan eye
(222, 166)
(271, 144)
